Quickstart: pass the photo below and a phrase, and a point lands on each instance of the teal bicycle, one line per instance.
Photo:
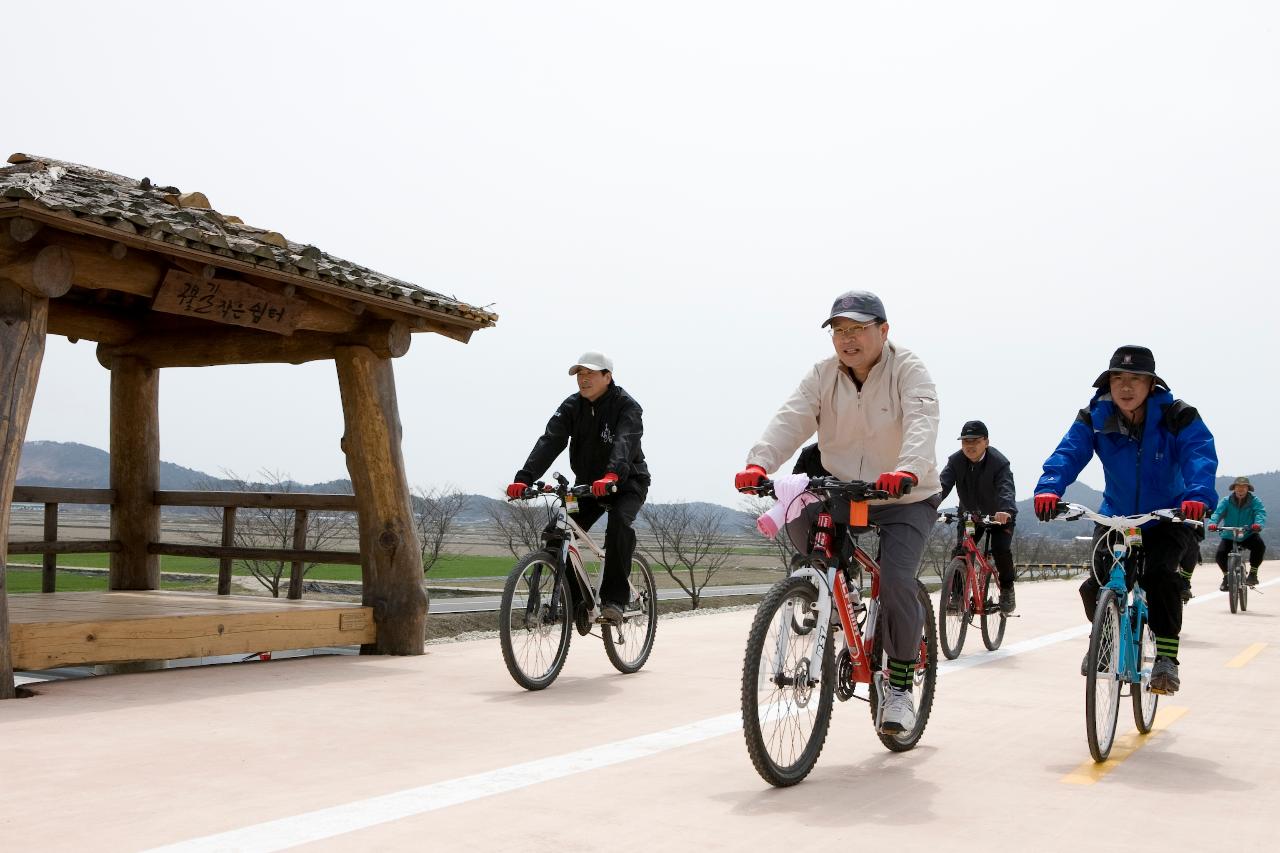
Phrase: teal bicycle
(1122, 648)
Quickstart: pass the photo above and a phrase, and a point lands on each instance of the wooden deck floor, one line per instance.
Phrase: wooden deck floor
(74, 628)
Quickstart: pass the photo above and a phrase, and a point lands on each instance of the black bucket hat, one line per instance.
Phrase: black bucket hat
(1130, 359)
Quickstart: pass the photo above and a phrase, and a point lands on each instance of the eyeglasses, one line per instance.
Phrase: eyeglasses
(850, 331)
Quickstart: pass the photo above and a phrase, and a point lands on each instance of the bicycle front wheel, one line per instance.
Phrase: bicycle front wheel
(953, 608)
(1244, 586)
(1144, 701)
(1233, 582)
(786, 707)
(628, 645)
(926, 679)
(534, 619)
(1102, 680)
(994, 619)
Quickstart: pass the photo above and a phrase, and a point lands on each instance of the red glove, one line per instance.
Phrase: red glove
(1193, 510)
(515, 490)
(749, 478)
(1046, 506)
(896, 483)
(600, 487)
(1255, 527)
(1213, 527)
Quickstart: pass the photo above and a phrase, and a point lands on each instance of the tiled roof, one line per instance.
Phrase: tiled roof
(164, 214)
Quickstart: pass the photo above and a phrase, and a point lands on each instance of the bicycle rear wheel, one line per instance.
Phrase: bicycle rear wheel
(1244, 586)
(1144, 701)
(926, 679)
(954, 608)
(1233, 581)
(1102, 681)
(786, 708)
(994, 619)
(628, 645)
(533, 622)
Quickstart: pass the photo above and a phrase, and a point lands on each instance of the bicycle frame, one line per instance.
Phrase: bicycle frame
(832, 584)
(572, 535)
(975, 559)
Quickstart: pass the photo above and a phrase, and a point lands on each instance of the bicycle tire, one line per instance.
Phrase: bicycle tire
(534, 655)
(926, 679)
(1144, 701)
(636, 632)
(994, 620)
(1102, 694)
(766, 725)
(1233, 582)
(1244, 587)
(954, 608)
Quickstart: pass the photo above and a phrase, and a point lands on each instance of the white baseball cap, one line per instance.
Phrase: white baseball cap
(592, 361)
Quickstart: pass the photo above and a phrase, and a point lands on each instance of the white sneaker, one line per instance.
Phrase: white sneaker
(899, 713)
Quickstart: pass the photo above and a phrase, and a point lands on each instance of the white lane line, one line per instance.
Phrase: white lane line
(322, 824)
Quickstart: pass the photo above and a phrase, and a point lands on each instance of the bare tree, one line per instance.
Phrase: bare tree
(756, 506)
(273, 528)
(435, 512)
(518, 526)
(686, 543)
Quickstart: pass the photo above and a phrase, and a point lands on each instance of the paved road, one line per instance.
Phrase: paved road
(444, 752)
(486, 603)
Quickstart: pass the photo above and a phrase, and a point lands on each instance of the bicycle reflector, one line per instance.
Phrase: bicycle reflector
(858, 514)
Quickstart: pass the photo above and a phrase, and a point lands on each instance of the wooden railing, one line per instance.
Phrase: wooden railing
(301, 503)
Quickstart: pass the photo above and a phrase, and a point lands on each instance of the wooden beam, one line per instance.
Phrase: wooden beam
(92, 322)
(228, 540)
(23, 319)
(217, 552)
(97, 266)
(258, 500)
(246, 346)
(65, 546)
(392, 563)
(49, 567)
(135, 473)
(299, 544)
(50, 494)
(44, 271)
(22, 229)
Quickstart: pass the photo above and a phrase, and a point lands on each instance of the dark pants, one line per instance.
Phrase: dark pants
(1000, 540)
(1252, 543)
(1157, 561)
(619, 537)
(903, 531)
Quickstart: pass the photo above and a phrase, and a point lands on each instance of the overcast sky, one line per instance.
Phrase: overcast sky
(688, 186)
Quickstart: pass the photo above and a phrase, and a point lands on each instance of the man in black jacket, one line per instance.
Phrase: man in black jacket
(602, 425)
(984, 484)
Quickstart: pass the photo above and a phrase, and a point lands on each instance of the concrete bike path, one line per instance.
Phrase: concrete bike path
(444, 752)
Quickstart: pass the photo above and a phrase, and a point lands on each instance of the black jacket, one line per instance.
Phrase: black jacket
(985, 486)
(603, 437)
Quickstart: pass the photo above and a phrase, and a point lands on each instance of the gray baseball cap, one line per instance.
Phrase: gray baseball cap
(592, 361)
(859, 305)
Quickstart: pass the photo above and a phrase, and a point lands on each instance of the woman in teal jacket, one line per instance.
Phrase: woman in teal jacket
(1241, 508)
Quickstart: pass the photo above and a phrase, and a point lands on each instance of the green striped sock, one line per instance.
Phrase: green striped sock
(1186, 574)
(1167, 647)
(902, 673)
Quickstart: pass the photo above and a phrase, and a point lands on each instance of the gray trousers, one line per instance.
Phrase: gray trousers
(904, 530)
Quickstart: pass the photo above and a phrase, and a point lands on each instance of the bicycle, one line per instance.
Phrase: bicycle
(550, 588)
(1122, 647)
(966, 590)
(791, 672)
(1237, 589)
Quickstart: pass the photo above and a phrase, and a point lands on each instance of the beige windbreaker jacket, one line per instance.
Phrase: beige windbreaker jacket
(890, 425)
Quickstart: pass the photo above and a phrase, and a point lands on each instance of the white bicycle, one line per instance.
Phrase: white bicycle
(551, 588)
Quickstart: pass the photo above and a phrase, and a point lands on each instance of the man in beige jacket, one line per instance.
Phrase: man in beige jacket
(875, 410)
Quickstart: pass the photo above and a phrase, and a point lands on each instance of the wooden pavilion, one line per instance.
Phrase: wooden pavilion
(158, 278)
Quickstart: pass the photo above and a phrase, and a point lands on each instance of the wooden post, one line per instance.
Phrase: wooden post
(135, 473)
(228, 539)
(49, 576)
(299, 544)
(391, 561)
(24, 317)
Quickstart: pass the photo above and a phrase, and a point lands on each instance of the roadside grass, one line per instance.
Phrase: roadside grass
(21, 581)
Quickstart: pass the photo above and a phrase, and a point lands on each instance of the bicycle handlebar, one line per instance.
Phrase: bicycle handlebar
(953, 517)
(1073, 512)
(854, 490)
(560, 488)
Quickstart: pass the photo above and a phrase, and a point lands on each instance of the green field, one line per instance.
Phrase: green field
(448, 567)
(19, 581)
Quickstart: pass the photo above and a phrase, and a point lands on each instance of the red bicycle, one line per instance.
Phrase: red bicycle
(792, 670)
(966, 589)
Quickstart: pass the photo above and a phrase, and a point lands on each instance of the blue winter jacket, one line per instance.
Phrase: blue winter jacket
(1231, 514)
(1173, 460)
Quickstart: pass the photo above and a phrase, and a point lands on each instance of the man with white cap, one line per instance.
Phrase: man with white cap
(875, 410)
(602, 425)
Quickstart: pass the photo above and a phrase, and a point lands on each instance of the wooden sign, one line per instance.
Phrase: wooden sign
(223, 300)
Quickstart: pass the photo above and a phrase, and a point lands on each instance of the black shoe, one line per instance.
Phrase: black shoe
(1164, 677)
(1252, 580)
(1008, 601)
(1222, 587)
(612, 612)
(1184, 591)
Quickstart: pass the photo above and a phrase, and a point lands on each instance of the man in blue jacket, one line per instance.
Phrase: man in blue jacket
(1156, 453)
(1243, 509)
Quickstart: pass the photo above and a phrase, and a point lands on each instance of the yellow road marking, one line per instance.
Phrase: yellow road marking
(1245, 656)
(1090, 771)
